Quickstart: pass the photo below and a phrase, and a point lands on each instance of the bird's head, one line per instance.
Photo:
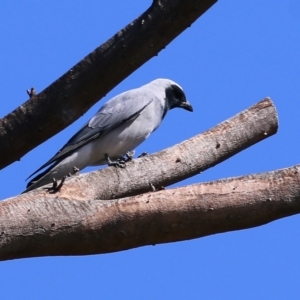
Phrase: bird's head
(175, 97)
(170, 94)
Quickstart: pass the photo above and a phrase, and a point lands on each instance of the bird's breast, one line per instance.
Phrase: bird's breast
(122, 139)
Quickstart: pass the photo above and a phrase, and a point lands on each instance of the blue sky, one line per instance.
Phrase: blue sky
(235, 55)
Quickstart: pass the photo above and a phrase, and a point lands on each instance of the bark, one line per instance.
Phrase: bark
(58, 226)
(77, 221)
(65, 100)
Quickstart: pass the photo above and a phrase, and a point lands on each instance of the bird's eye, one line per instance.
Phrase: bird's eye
(178, 93)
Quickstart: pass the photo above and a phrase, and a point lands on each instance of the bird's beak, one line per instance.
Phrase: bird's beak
(187, 106)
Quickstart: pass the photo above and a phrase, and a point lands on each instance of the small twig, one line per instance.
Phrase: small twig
(31, 92)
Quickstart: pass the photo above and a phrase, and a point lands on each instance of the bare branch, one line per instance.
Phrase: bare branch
(39, 223)
(41, 227)
(78, 89)
(179, 162)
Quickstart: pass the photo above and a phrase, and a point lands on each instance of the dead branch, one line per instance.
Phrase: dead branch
(92, 227)
(65, 100)
(39, 223)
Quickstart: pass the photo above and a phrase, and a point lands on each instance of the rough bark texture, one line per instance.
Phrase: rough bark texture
(43, 226)
(78, 89)
(73, 221)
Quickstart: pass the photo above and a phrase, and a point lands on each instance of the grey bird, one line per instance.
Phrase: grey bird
(120, 125)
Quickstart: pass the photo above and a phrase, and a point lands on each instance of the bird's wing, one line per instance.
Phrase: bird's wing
(124, 107)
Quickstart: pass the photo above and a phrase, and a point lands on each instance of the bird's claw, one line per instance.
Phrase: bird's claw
(75, 170)
(120, 163)
(61, 183)
(143, 154)
(54, 181)
(129, 155)
(57, 187)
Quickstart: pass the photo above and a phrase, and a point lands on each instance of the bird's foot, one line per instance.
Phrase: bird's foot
(143, 154)
(57, 187)
(120, 163)
(128, 156)
(75, 170)
(61, 183)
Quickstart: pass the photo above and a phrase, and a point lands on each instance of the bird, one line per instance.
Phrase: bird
(120, 125)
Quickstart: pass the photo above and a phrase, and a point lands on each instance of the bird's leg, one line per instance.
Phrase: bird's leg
(61, 183)
(143, 154)
(56, 187)
(75, 170)
(129, 155)
(116, 163)
(54, 183)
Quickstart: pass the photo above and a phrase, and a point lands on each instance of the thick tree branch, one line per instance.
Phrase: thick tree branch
(76, 91)
(40, 223)
(179, 162)
(90, 227)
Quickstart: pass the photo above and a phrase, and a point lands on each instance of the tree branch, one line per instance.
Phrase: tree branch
(40, 223)
(78, 89)
(92, 227)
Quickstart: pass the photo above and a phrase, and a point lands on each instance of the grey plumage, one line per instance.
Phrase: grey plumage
(120, 125)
